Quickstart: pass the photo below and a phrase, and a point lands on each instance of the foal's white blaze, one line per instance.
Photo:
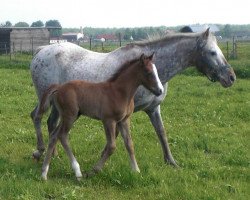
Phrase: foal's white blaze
(159, 84)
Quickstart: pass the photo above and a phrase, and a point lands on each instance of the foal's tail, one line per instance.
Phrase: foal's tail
(47, 99)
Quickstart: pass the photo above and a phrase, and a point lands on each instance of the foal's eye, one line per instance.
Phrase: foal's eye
(213, 53)
(149, 74)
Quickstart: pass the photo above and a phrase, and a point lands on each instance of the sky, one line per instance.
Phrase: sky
(126, 13)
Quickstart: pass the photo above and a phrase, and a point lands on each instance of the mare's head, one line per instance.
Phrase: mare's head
(211, 61)
(149, 75)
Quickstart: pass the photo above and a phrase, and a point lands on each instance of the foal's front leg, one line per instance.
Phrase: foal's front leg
(124, 129)
(110, 132)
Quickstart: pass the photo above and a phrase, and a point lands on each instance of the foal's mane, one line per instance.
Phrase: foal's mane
(123, 68)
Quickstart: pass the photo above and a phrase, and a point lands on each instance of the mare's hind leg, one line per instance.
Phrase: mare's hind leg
(110, 132)
(124, 129)
(37, 124)
(52, 122)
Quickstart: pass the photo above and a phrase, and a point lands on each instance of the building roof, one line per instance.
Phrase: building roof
(107, 36)
(28, 28)
(203, 27)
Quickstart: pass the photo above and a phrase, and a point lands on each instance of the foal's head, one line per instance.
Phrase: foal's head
(149, 75)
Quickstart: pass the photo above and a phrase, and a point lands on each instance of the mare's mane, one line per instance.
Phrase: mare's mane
(123, 68)
(171, 37)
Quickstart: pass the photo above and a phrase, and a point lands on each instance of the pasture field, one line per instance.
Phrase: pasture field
(207, 125)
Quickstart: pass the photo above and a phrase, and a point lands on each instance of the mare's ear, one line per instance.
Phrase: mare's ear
(202, 40)
(206, 33)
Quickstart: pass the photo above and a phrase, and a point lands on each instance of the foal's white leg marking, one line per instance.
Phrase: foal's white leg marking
(159, 84)
(134, 166)
(45, 172)
(77, 170)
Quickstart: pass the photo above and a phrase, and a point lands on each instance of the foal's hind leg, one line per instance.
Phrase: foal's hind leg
(37, 124)
(52, 122)
(109, 127)
(65, 143)
(124, 128)
(52, 142)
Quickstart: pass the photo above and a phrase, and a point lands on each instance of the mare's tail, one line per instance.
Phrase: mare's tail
(47, 99)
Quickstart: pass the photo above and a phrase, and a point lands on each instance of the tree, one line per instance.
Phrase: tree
(227, 30)
(127, 34)
(53, 23)
(37, 24)
(6, 24)
(54, 32)
(21, 24)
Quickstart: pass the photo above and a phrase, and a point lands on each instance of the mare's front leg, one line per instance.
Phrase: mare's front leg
(156, 120)
(125, 132)
(110, 132)
(37, 124)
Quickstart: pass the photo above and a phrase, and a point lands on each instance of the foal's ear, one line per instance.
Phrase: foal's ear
(151, 56)
(142, 58)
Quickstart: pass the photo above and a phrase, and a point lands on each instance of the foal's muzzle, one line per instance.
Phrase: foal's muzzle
(157, 92)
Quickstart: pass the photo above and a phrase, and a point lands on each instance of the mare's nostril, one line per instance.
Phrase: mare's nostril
(232, 79)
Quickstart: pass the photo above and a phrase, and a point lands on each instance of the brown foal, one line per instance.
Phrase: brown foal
(112, 102)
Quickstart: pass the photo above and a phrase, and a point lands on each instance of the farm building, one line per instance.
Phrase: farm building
(200, 28)
(72, 37)
(23, 39)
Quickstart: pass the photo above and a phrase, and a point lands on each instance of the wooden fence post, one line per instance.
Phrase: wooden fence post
(90, 42)
(120, 39)
(227, 50)
(32, 46)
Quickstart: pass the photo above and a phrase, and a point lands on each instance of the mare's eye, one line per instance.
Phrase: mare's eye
(213, 53)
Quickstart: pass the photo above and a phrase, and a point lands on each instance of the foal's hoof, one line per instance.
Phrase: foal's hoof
(90, 174)
(36, 155)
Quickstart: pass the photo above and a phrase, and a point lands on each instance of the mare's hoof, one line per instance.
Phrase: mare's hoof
(173, 164)
(36, 155)
(44, 178)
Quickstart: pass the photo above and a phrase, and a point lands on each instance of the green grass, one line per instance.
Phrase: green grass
(207, 125)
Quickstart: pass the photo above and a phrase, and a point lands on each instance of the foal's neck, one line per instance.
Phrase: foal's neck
(127, 82)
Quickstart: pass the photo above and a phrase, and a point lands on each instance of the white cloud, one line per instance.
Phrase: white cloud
(129, 13)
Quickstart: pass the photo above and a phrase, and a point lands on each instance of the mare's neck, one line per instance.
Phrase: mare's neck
(173, 55)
